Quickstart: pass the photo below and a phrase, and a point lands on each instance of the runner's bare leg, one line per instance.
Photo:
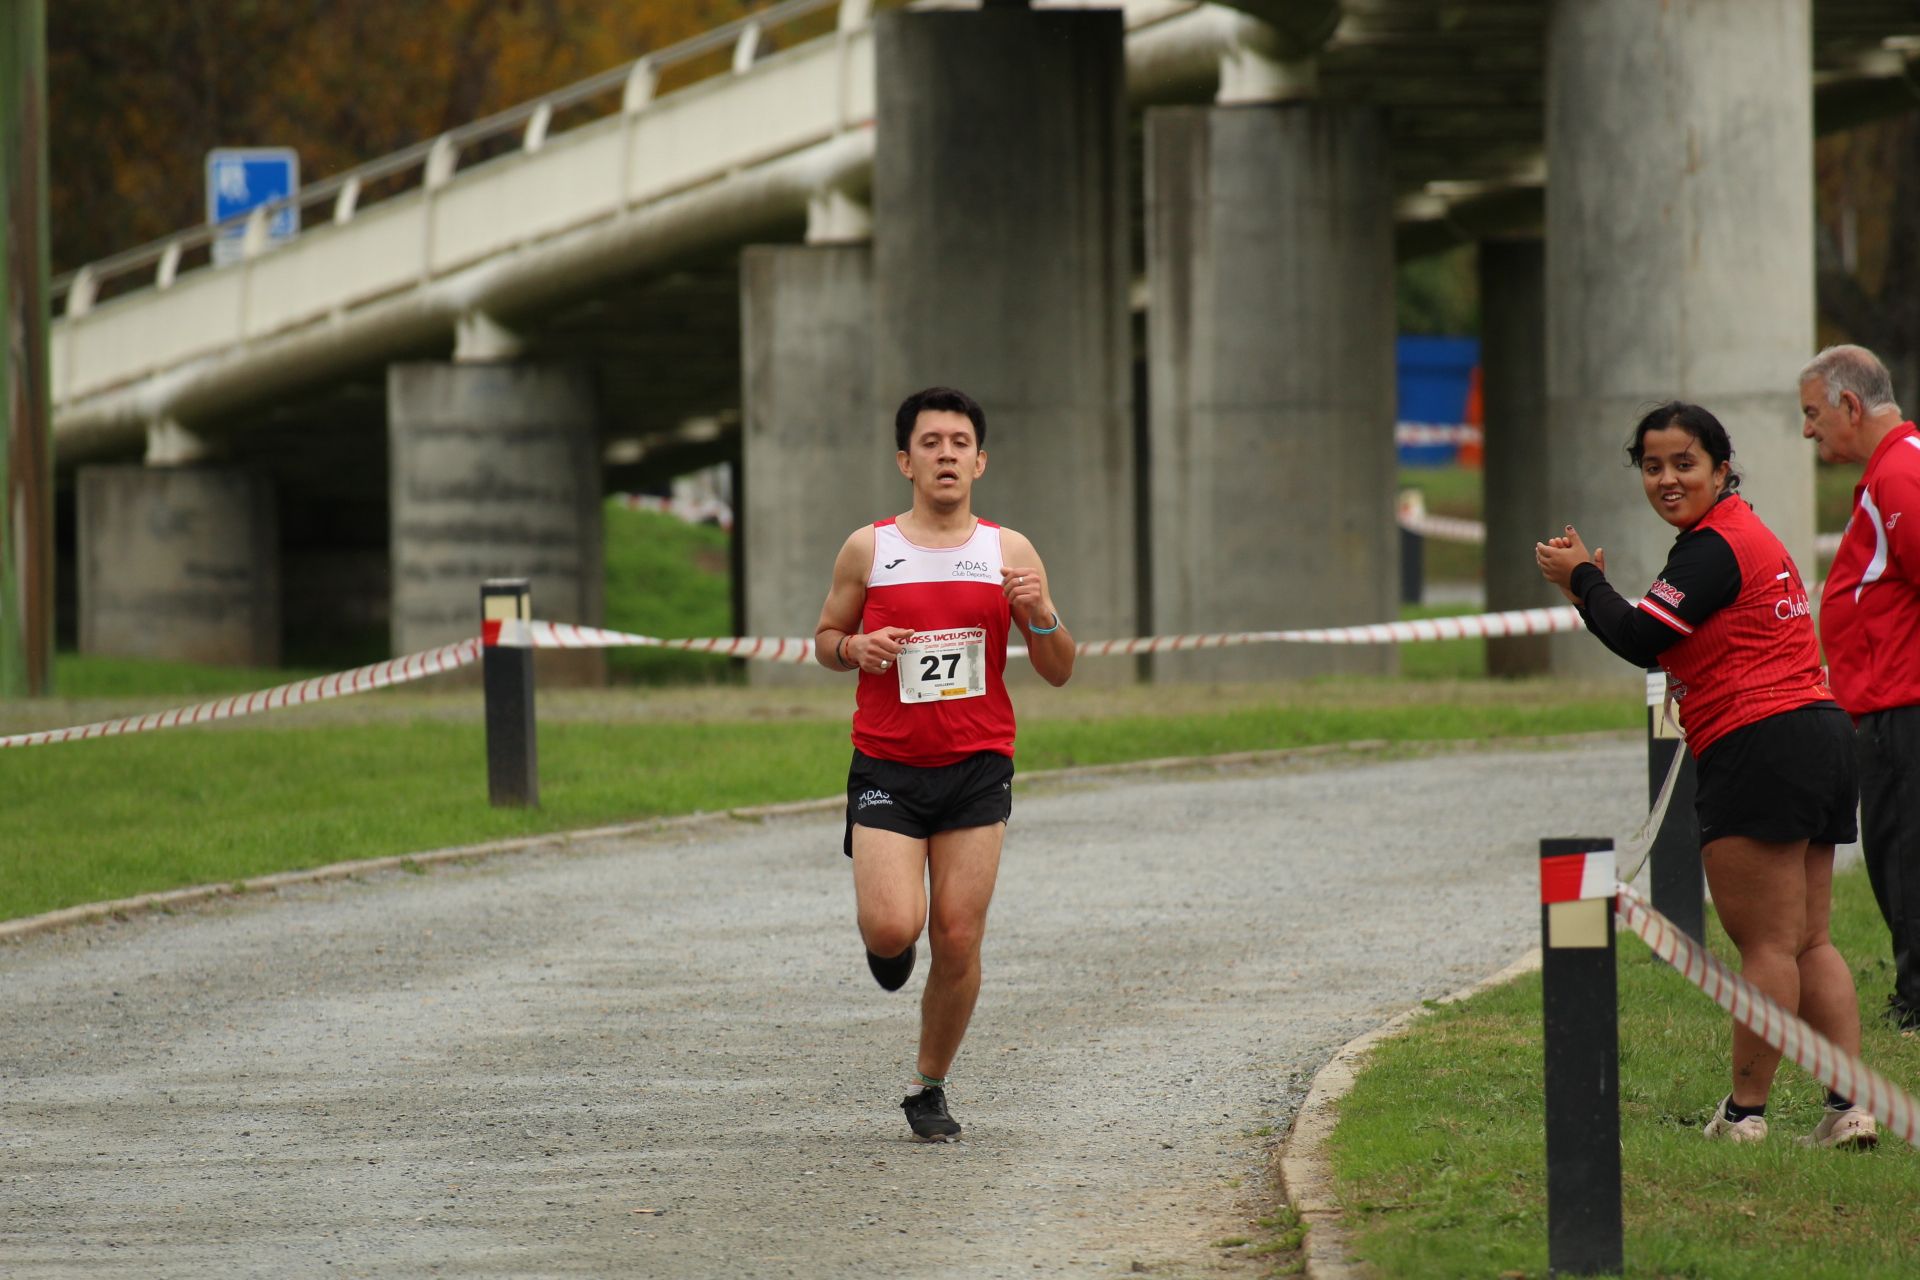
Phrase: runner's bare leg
(962, 867)
(889, 888)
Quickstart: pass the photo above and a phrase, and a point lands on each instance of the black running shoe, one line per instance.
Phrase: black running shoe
(893, 972)
(1901, 1015)
(927, 1113)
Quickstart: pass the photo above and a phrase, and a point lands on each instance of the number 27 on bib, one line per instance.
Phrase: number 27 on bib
(937, 665)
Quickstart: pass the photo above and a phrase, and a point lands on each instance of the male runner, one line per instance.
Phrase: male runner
(920, 607)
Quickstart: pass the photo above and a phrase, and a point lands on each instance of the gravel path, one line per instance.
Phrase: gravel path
(663, 1056)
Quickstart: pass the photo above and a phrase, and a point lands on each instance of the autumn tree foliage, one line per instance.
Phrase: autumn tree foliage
(140, 90)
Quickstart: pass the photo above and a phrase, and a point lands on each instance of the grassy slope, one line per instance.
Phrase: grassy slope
(666, 578)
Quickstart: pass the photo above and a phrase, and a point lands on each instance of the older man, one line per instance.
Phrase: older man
(1870, 630)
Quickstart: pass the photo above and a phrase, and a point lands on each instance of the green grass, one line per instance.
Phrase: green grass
(1440, 1157)
(1441, 659)
(192, 807)
(108, 818)
(666, 578)
(1448, 491)
(94, 676)
(1833, 494)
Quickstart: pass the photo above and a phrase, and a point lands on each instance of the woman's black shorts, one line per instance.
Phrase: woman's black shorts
(919, 801)
(1788, 777)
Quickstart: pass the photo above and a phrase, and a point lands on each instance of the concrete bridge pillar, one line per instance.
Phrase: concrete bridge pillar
(1679, 259)
(1270, 347)
(1000, 267)
(181, 563)
(495, 473)
(1513, 362)
(817, 459)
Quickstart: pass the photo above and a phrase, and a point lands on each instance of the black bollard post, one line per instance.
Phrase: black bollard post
(1579, 999)
(1674, 860)
(1413, 569)
(1413, 549)
(513, 767)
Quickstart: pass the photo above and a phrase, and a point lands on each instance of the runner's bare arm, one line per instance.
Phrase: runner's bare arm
(840, 615)
(1024, 579)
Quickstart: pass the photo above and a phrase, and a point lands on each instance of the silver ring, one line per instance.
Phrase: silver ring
(884, 664)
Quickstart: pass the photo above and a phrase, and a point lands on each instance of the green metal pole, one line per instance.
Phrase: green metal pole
(26, 466)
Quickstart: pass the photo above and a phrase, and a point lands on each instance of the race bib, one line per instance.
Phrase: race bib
(937, 665)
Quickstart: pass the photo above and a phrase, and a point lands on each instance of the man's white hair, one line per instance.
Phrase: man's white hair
(1849, 368)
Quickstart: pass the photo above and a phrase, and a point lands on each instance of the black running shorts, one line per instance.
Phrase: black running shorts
(917, 801)
(1788, 777)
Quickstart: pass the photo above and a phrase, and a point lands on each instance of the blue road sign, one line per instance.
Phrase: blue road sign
(240, 179)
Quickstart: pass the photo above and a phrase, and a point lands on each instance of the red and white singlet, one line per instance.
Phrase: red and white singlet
(946, 698)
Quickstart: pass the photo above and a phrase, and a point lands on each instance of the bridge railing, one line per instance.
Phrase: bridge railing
(432, 164)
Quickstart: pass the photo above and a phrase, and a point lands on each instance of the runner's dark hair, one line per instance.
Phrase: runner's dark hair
(941, 400)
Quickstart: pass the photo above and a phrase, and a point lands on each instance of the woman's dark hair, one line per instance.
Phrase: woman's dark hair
(940, 400)
(1696, 422)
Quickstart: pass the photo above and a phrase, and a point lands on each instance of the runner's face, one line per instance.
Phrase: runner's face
(1681, 481)
(942, 459)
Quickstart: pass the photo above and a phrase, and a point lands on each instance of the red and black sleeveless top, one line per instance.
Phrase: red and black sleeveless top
(1728, 618)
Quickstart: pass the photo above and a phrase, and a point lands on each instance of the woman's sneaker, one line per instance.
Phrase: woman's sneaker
(927, 1114)
(1849, 1130)
(1749, 1129)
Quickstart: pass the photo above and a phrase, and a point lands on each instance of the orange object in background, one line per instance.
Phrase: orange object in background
(1473, 450)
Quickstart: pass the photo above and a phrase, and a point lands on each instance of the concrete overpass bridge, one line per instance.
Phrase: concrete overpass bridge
(1156, 240)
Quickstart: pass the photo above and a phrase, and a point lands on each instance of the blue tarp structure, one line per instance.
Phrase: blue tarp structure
(1435, 376)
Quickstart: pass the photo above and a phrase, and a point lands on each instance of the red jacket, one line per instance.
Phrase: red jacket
(1870, 610)
(1755, 655)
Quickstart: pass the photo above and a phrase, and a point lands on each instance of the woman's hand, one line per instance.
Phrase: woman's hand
(1559, 556)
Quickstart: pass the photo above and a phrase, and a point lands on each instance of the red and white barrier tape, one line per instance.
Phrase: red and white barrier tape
(795, 650)
(1825, 1061)
(1444, 528)
(380, 675)
(566, 635)
(1517, 622)
(1431, 433)
(1638, 847)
